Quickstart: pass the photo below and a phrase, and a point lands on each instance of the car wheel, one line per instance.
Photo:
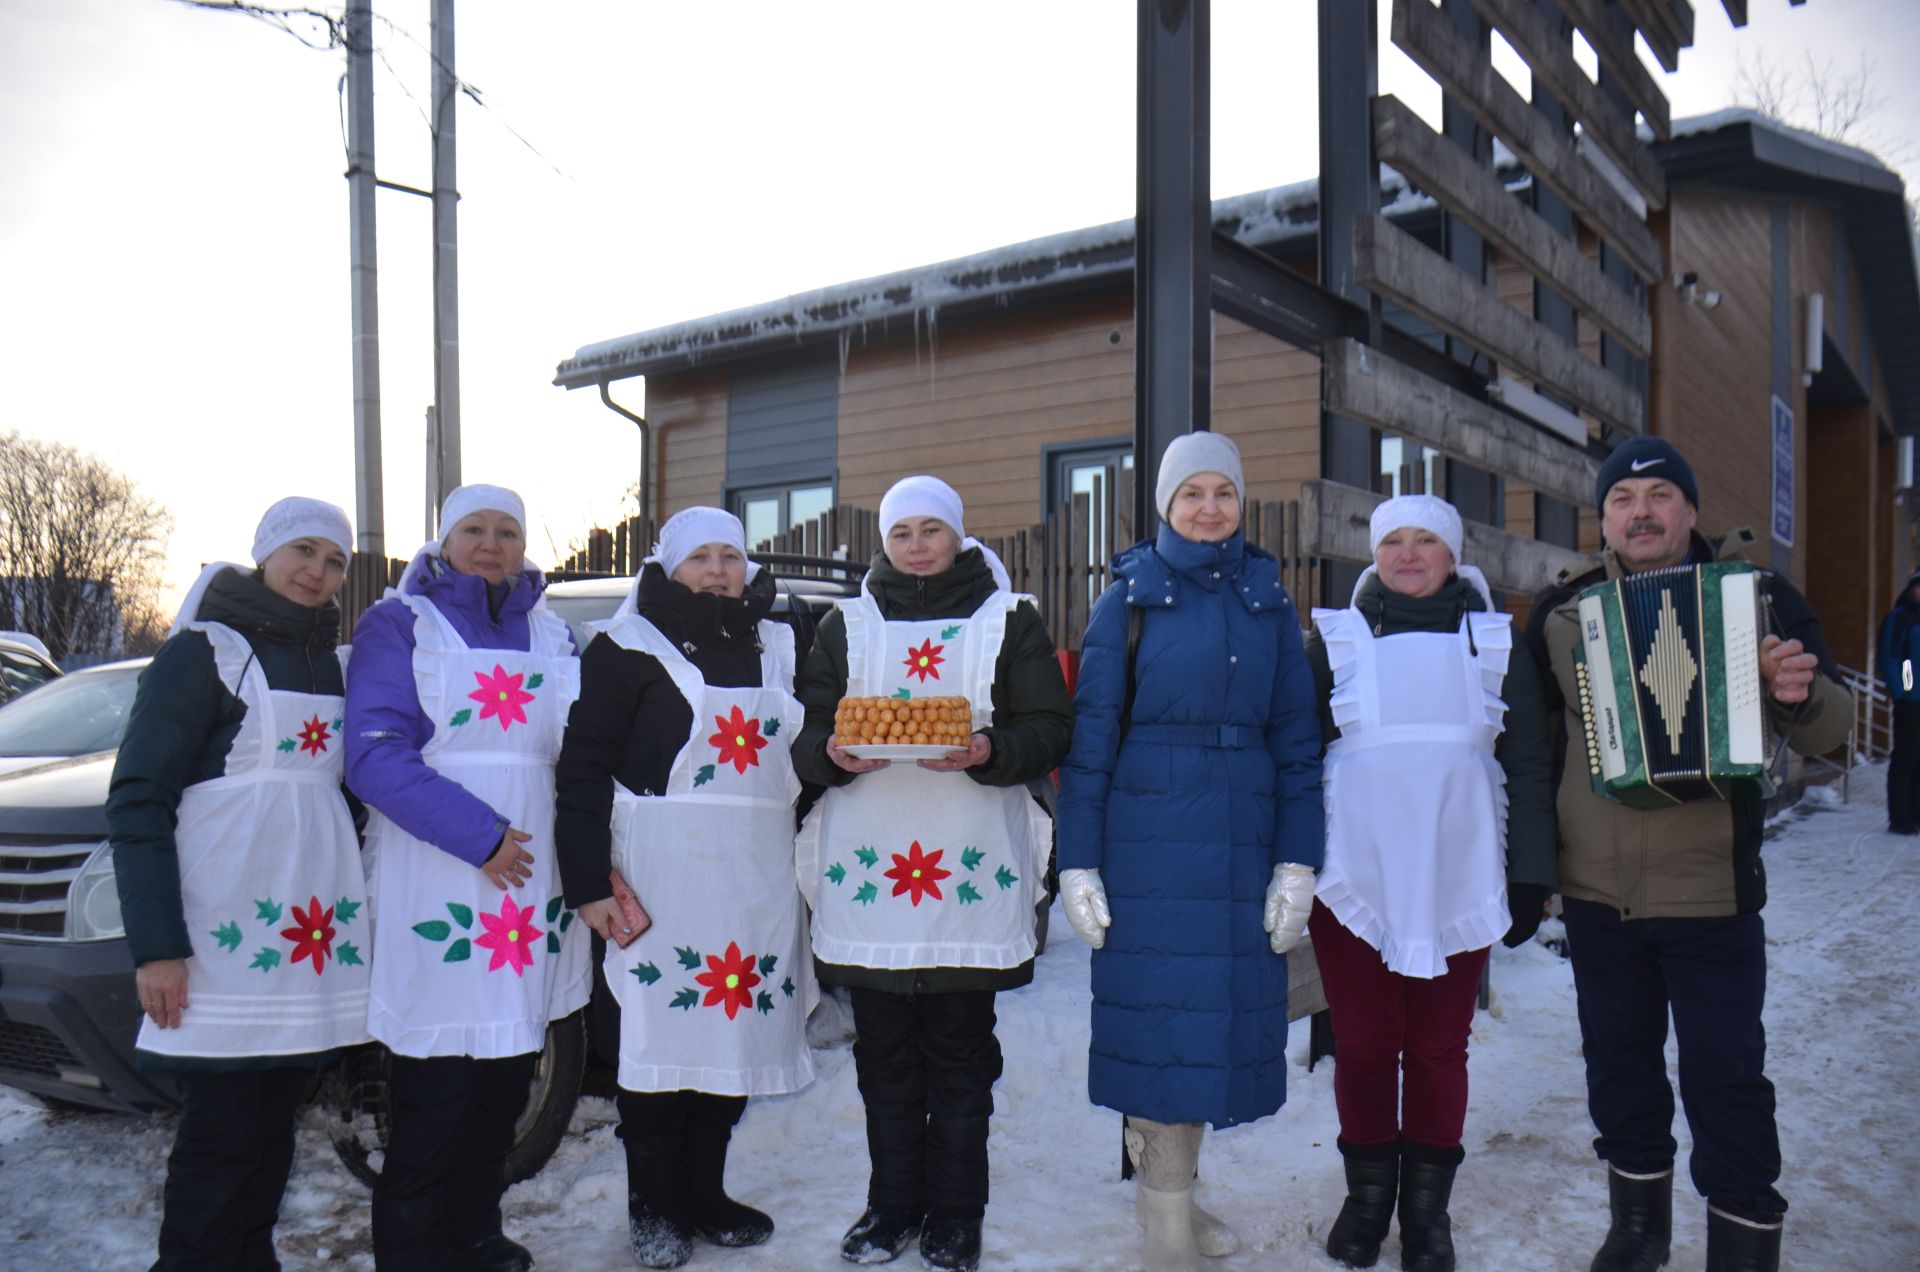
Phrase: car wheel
(353, 1091)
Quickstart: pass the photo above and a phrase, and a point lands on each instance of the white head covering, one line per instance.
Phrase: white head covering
(684, 532)
(1192, 453)
(297, 517)
(468, 500)
(1434, 515)
(926, 496)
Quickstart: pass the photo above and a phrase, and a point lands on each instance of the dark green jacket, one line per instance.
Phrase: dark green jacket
(1031, 729)
(1524, 749)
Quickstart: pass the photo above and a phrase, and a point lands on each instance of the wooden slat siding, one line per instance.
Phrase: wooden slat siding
(1476, 196)
(1615, 51)
(1334, 523)
(1368, 386)
(1469, 78)
(1665, 47)
(1395, 266)
(1550, 57)
(1842, 548)
(688, 413)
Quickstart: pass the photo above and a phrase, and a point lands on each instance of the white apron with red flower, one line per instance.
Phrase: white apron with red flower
(270, 881)
(909, 867)
(462, 968)
(714, 995)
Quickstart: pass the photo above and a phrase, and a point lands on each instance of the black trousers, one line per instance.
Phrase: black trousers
(1903, 769)
(926, 1065)
(450, 1129)
(1712, 975)
(231, 1156)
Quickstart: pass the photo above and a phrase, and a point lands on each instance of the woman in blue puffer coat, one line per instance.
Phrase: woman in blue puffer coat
(1190, 826)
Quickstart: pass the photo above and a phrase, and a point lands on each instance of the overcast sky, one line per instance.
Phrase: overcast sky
(173, 218)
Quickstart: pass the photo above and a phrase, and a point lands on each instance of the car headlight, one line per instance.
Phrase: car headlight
(93, 901)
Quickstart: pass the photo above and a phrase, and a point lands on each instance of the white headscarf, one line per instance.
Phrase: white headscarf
(685, 532)
(460, 503)
(1194, 453)
(925, 496)
(297, 517)
(1434, 515)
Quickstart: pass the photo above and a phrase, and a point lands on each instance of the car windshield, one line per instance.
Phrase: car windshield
(74, 715)
(578, 611)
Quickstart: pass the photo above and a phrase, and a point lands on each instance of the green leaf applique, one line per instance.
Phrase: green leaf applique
(1005, 878)
(967, 893)
(837, 872)
(904, 694)
(971, 857)
(553, 908)
(267, 911)
(685, 999)
(764, 1003)
(867, 893)
(462, 914)
(346, 910)
(867, 856)
(786, 987)
(767, 964)
(461, 716)
(348, 954)
(228, 934)
(772, 726)
(689, 957)
(287, 745)
(948, 633)
(459, 952)
(535, 680)
(553, 941)
(703, 775)
(566, 920)
(339, 726)
(646, 973)
(266, 960)
(434, 929)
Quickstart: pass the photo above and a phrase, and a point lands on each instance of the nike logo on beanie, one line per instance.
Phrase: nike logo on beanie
(1641, 464)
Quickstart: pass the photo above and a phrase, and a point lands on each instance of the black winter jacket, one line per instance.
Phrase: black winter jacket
(1031, 729)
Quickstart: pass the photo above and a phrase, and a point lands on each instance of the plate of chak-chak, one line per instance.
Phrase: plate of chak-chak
(902, 729)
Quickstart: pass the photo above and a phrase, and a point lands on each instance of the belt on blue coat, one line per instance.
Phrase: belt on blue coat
(1226, 736)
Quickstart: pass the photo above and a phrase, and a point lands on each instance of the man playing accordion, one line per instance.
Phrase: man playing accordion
(1662, 905)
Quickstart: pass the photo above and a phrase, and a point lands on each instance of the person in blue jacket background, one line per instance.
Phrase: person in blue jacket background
(1900, 672)
(1190, 827)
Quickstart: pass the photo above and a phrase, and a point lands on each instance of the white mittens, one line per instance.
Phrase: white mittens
(1289, 901)
(1085, 901)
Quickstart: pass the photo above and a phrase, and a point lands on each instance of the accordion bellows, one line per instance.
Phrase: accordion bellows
(1670, 690)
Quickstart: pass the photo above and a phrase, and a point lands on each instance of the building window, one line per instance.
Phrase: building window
(1093, 469)
(767, 511)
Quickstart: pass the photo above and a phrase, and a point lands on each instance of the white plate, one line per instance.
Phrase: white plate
(901, 751)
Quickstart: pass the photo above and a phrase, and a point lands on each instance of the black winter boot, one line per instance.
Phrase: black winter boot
(657, 1225)
(1736, 1243)
(715, 1216)
(1426, 1185)
(1373, 1180)
(495, 1252)
(1640, 1236)
(878, 1236)
(951, 1244)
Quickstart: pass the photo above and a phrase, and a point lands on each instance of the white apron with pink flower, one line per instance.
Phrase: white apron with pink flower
(270, 881)
(714, 996)
(911, 867)
(461, 967)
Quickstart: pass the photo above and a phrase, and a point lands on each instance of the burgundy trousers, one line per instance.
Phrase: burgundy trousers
(1400, 1043)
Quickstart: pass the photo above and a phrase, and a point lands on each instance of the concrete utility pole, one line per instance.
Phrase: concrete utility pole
(446, 268)
(370, 492)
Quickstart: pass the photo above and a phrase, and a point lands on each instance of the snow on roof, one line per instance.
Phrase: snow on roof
(1714, 121)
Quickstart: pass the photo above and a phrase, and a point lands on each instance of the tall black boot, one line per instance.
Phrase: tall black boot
(1736, 1243)
(715, 1216)
(1373, 1181)
(658, 1228)
(1426, 1185)
(1640, 1236)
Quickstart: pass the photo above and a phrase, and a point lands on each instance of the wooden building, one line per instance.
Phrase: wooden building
(1011, 373)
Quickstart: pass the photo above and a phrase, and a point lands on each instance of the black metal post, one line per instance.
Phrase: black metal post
(1173, 228)
(1474, 491)
(1613, 356)
(1554, 520)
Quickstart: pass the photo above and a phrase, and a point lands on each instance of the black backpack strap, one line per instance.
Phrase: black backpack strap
(1136, 622)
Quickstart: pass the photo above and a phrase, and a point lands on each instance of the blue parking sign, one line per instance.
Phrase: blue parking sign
(1782, 472)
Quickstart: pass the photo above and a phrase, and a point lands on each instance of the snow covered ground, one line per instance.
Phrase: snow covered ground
(83, 1191)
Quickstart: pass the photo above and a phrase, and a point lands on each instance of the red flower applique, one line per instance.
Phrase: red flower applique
(510, 935)
(314, 736)
(917, 874)
(312, 934)
(925, 661)
(729, 980)
(739, 740)
(501, 697)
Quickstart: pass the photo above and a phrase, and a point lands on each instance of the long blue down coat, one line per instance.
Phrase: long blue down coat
(1218, 779)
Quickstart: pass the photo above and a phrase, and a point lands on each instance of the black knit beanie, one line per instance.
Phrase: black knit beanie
(1646, 457)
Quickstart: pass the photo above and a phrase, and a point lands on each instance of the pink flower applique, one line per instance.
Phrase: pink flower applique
(501, 697)
(510, 935)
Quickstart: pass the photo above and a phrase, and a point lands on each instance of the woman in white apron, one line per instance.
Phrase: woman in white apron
(674, 778)
(1440, 841)
(239, 877)
(457, 696)
(923, 876)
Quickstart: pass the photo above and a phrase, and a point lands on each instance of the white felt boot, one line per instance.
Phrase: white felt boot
(1166, 1156)
(1210, 1233)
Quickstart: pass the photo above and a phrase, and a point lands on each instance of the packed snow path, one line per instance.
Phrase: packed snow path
(83, 1190)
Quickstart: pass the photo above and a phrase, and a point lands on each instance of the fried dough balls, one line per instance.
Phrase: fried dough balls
(946, 722)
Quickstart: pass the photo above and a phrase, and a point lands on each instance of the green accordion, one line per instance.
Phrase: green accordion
(1668, 669)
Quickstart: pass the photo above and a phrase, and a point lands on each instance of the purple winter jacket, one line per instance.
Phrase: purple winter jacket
(386, 727)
